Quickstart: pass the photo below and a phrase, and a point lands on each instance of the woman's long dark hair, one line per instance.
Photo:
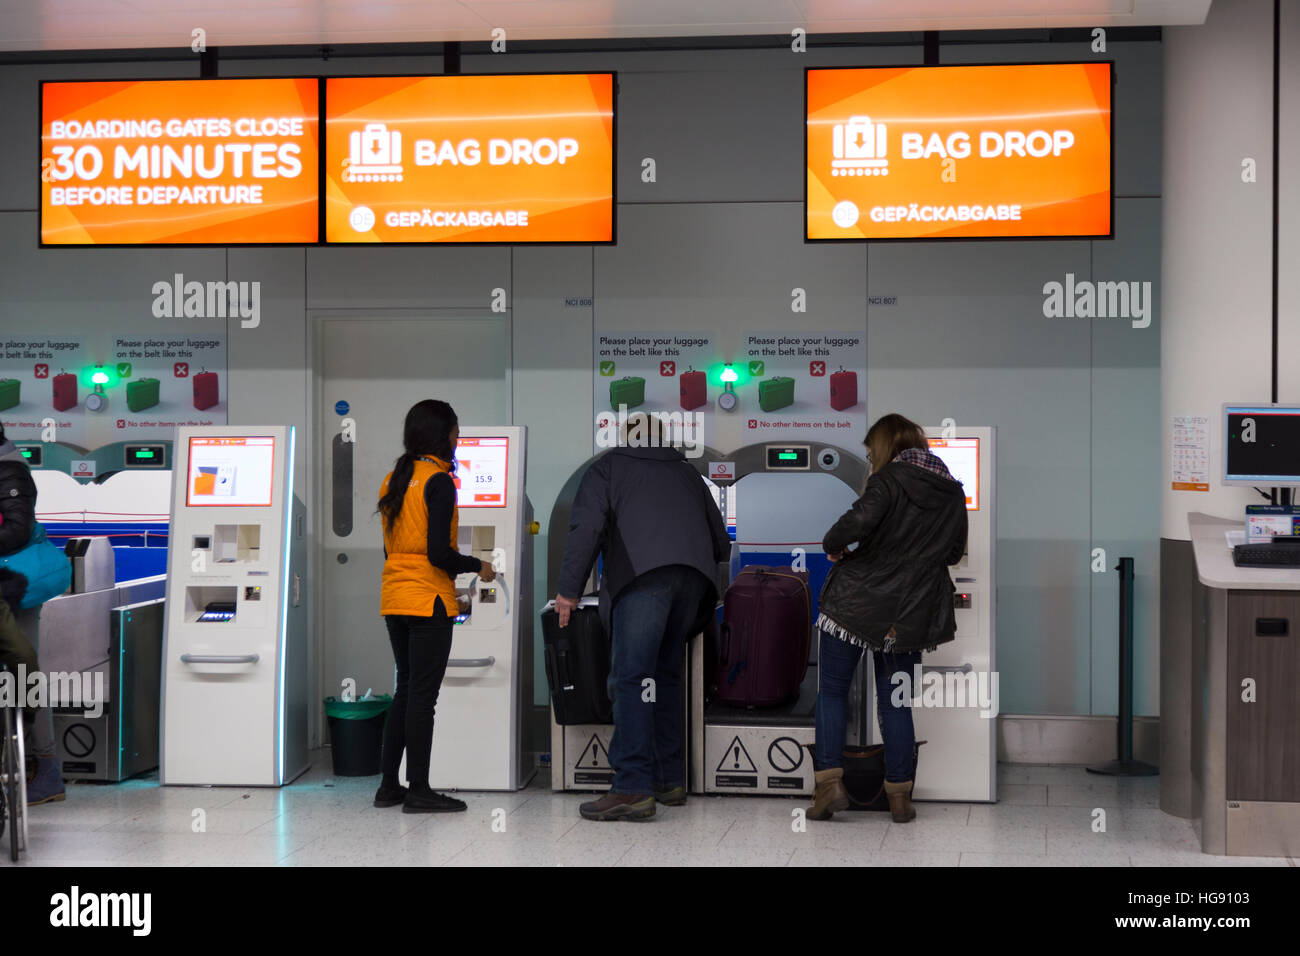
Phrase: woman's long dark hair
(427, 431)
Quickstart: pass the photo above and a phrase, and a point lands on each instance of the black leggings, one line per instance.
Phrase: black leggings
(421, 648)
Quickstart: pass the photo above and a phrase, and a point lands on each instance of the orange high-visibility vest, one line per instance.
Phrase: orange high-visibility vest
(410, 582)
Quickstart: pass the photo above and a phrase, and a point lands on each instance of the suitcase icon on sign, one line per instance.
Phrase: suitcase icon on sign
(693, 389)
(374, 153)
(844, 389)
(64, 386)
(205, 390)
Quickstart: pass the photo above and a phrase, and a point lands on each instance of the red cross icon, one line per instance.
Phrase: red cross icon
(667, 369)
(42, 371)
(181, 370)
(753, 423)
(816, 368)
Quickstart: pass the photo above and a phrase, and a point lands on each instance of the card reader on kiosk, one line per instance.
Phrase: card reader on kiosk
(234, 703)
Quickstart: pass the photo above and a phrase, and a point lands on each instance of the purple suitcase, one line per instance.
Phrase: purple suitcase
(766, 636)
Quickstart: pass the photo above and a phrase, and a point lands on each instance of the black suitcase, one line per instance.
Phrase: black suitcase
(577, 666)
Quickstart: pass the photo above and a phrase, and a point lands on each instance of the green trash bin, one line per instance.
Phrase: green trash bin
(357, 734)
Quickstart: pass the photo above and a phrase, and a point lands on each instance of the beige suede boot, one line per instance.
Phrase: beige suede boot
(900, 801)
(829, 794)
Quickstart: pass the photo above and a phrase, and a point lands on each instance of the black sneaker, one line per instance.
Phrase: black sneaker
(431, 802)
(387, 796)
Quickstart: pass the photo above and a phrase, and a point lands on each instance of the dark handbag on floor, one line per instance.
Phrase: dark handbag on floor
(577, 666)
(864, 776)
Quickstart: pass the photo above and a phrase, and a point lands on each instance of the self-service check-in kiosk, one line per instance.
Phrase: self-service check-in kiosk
(234, 708)
(478, 743)
(955, 707)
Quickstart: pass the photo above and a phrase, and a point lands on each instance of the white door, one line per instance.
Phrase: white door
(380, 367)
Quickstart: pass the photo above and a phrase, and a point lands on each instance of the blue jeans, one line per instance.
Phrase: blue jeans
(836, 662)
(651, 623)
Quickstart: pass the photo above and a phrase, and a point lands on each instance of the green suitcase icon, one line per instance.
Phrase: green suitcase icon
(9, 389)
(629, 391)
(774, 393)
(141, 394)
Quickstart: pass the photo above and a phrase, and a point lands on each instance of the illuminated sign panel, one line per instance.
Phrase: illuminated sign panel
(978, 152)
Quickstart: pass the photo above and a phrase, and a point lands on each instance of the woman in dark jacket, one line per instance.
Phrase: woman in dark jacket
(891, 595)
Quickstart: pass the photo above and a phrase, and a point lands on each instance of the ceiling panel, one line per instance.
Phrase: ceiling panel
(36, 25)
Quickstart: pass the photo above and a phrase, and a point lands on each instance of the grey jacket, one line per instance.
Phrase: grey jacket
(641, 509)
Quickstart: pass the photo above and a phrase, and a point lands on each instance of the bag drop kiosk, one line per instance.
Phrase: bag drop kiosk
(487, 690)
(781, 497)
(234, 703)
(784, 497)
(779, 522)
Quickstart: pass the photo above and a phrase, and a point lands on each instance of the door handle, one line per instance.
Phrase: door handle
(471, 662)
(219, 658)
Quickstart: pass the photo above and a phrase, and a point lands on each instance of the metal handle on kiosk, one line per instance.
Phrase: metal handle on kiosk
(948, 668)
(219, 658)
(471, 662)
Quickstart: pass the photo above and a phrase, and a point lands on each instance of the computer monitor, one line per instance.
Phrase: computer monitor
(1261, 445)
(962, 456)
(480, 476)
(230, 472)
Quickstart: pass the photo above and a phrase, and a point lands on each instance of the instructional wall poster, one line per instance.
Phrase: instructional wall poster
(42, 383)
(1189, 449)
(675, 375)
(810, 386)
(160, 382)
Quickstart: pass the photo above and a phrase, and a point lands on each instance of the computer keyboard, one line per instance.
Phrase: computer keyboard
(1273, 555)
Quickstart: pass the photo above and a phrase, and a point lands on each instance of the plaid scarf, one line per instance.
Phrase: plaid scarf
(924, 458)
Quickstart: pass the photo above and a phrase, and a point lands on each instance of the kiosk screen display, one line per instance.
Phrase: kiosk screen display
(962, 456)
(231, 472)
(480, 477)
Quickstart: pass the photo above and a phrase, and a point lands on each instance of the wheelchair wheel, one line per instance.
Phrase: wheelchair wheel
(13, 772)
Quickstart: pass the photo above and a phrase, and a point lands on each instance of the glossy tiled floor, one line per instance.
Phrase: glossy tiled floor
(1044, 817)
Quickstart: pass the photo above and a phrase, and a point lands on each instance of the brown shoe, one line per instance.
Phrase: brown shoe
(619, 806)
(829, 794)
(900, 801)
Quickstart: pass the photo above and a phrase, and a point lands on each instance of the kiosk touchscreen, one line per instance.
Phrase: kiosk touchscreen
(235, 643)
(481, 705)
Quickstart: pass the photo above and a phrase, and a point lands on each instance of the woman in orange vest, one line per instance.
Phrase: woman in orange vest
(417, 503)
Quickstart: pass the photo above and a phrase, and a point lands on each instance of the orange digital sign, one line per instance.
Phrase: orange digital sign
(467, 159)
(954, 152)
(180, 162)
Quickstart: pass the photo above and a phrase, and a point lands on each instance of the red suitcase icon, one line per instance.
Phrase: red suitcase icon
(844, 389)
(694, 391)
(205, 390)
(65, 391)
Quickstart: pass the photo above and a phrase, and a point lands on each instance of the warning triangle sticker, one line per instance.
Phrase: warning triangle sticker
(736, 759)
(594, 756)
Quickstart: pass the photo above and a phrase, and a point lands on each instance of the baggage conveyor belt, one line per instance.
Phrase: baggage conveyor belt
(800, 711)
